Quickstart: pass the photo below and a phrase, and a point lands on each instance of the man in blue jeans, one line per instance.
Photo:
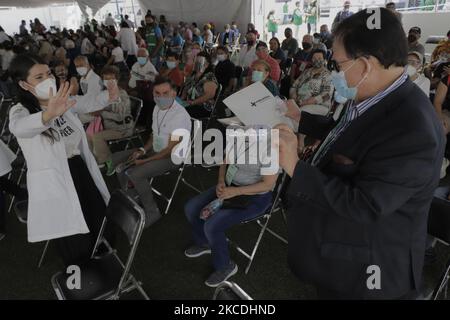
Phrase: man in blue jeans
(209, 235)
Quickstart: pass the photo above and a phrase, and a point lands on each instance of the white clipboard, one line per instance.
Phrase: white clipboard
(255, 105)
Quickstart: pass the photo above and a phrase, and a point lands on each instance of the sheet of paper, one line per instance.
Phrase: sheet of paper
(255, 105)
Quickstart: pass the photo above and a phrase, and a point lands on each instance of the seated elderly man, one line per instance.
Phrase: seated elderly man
(143, 73)
(90, 83)
(312, 91)
(155, 157)
(143, 69)
(415, 69)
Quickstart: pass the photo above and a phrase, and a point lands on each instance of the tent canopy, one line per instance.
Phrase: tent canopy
(94, 5)
(220, 12)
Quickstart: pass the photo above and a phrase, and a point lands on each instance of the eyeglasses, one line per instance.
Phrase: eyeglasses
(335, 66)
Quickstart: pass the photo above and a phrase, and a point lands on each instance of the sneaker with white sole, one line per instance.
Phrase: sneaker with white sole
(219, 276)
(196, 251)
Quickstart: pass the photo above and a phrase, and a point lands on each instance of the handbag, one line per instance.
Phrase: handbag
(95, 126)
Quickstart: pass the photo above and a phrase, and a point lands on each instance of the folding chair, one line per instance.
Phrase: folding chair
(230, 291)
(136, 105)
(276, 206)
(21, 211)
(196, 125)
(106, 276)
(439, 227)
(213, 109)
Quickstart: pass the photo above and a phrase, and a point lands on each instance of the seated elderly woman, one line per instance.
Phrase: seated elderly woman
(200, 89)
(415, 72)
(117, 120)
(312, 91)
(243, 192)
(261, 72)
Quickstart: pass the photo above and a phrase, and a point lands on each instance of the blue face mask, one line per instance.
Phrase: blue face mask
(142, 60)
(257, 76)
(171, 64)
(163, 102)
(342, 91)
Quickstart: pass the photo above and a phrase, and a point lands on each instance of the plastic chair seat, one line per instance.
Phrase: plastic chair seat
(99, 279)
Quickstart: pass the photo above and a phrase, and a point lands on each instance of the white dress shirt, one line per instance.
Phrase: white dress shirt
(127, 39)
(145, 72)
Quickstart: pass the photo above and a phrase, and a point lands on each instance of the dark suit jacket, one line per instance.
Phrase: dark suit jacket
(344, 218)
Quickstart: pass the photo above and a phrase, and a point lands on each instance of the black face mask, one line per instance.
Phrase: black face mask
(306, 45)
(412, 38)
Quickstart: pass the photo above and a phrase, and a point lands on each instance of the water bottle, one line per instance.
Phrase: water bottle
(211, 208)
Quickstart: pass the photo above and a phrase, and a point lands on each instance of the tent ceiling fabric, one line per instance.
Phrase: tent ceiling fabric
(220, 12)
(95, 5)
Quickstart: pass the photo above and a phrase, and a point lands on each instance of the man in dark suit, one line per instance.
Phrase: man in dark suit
(358, 210)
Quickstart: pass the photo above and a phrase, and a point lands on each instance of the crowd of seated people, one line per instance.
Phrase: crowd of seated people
(176, 69)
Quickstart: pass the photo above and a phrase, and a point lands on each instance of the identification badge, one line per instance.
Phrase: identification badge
(158, 143)
(193, 93)
(231, 173)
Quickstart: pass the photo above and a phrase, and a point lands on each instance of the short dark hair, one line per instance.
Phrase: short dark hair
(276, 40)
(173, 54)
(390, 4)
(223, 48)
(359, 40)
(111, 70)
(261, 44)
(206, 56)
(162, 80)
(324, 54)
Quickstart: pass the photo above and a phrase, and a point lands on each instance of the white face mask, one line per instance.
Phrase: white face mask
(82, 71)
(42, 89)
(221, 57)
(105, 82)
(411, 70)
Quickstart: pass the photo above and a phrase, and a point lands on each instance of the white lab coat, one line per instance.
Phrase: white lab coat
(54, 210)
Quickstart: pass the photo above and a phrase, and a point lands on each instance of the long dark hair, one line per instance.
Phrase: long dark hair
(19, 70)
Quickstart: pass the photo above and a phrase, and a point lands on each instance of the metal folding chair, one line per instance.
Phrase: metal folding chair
(230, 291)
(106, 276)
(263, 222)
(439, 227)
(195, 129)
(21, 211)
(136, 105)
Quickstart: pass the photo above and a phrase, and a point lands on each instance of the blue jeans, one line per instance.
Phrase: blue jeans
(211, 232)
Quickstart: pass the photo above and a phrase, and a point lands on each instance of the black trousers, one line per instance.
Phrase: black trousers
(198, 112)
(78, 248)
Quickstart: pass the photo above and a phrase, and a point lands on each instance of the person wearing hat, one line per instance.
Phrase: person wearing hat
(341, 15)
(415, 71)
(413, 41)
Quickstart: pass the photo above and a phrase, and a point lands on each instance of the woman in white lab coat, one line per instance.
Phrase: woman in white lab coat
(67, 193)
